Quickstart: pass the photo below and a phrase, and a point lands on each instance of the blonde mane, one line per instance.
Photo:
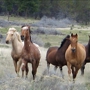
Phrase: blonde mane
(12, 29)
(18, 36)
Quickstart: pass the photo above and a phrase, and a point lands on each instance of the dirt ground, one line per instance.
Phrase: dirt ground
(43, 81)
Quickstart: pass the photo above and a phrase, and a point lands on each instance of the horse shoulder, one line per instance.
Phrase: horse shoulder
(35, 50)
(81, 45)
(82, 48)
(52, 54)
(82, 51)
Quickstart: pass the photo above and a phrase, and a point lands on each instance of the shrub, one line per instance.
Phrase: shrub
(47, 45)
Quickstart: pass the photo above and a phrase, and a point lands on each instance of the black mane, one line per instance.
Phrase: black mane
(64, 40)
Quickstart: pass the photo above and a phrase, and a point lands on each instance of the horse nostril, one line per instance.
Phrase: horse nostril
(73, 50)
(7, 42)
(22, 37)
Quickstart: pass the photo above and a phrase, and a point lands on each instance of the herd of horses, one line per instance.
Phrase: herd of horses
(70, 53)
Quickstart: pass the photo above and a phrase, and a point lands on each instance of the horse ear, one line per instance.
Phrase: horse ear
(76, 35)
(71, 34)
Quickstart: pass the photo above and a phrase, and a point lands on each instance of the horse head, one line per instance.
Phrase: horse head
(10, 35)
(73, 40)
(25, 30)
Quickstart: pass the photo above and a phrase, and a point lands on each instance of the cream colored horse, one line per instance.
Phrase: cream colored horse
(75, 55)
(17, 45)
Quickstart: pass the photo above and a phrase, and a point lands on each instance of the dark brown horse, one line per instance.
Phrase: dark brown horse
(56, 56)
(75, 55)
(87, 60)
(30, 53)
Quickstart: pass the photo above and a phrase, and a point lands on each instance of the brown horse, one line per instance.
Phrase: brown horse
(75, 55)
(56, 56)
(87, 60)
(30, 53)
(14, 37)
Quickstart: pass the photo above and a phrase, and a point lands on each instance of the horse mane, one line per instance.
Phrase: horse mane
(18, 36)
(64, 40)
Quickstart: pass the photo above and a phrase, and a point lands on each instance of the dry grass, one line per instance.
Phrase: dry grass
(44, 81)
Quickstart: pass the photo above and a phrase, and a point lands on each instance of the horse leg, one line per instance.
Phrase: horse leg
(75, 73)
(55, 68)
(23, 67)
(82, 68)
(27, 70)
(18, 66)
(60, 67)
(73, 70)
(69, 69)
(48, 66)
(15, 65)
(34, 69)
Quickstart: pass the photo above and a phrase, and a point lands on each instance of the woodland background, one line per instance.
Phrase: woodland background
(78, 10)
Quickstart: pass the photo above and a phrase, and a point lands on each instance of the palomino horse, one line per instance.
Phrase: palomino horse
(75, 55)
(87, 60)
(30, 52)
(56, 56)
(14, 37)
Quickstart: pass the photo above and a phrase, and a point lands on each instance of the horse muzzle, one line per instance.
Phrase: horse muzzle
(73, 49)
(7, 42)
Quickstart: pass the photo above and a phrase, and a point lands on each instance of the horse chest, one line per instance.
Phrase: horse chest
(15, 57)
(28, 57)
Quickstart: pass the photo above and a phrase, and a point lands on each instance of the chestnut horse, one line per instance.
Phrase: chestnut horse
(75, 55)
(30, 52)
(14, 37)
(87, 60)
(56, 55)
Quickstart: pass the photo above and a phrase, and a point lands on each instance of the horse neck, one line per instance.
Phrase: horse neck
(27, 42)
(65, 46)
(15, 43)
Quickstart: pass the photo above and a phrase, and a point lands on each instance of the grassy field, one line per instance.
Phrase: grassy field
(55, 40)
(44, 81)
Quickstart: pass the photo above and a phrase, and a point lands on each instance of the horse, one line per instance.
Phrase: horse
(87, 60)
(30, 52)
(14, 37)
(75, 55)
(56, 55)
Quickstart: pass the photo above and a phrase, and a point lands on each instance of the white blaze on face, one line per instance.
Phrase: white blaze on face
(22, 64)
(25, 28)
